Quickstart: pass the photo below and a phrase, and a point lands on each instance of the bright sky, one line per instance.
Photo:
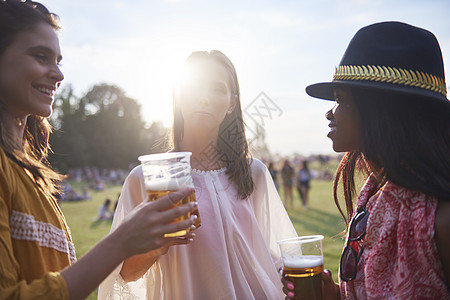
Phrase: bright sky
(277, 47)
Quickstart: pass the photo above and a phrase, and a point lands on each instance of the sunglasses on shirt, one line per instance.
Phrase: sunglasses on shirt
(354, 248)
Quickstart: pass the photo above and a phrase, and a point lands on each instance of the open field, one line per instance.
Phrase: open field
(322, 218)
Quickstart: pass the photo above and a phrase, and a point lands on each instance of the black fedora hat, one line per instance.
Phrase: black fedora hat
(392, 57)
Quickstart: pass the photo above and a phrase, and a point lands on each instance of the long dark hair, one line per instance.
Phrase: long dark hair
(404, 139)
(232, 143)
(15, 17)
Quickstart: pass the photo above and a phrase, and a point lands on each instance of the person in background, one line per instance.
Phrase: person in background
(304, 183)
(37, 256)
(86, 195)
(104, 212)
(273, 173)
(287, 176)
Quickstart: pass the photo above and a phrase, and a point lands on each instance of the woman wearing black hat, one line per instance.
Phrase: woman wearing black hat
(392, 118)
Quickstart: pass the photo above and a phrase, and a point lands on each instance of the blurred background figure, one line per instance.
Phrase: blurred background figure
(303, 183)
(104, 212)
(287, 175)
(273, 172)
(86, 195)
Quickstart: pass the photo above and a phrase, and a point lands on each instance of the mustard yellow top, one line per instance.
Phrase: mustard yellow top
(35, 242)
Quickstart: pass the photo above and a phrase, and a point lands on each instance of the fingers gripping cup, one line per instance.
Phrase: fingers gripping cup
(303, 265)
(165, 173)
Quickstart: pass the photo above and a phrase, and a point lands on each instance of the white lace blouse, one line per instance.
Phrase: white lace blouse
(234, 254)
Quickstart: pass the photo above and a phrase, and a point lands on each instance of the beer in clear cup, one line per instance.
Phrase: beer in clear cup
(303, 265)
(165, 173)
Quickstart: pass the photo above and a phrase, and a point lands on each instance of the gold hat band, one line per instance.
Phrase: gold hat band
(392, 75)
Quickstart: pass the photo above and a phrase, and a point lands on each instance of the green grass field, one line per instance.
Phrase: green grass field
(322, 218)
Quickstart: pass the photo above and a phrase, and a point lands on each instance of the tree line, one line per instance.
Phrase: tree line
(102, 129)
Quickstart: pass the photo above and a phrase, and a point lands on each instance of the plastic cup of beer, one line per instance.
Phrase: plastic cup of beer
(303, 264)
(165, 173)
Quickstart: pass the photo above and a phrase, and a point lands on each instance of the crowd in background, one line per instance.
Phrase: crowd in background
(90, 178)
(288, 172)
(297, 173)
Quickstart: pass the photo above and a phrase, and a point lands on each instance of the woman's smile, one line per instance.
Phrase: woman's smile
(45, 91)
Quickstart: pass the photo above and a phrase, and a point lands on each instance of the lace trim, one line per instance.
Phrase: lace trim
(217, 171)
(121, 290)
(25, 227)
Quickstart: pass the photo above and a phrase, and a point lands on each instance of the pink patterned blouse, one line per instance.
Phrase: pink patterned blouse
(400, 258)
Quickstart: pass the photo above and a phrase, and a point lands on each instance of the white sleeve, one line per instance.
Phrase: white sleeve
(132, 194)
(270, 213)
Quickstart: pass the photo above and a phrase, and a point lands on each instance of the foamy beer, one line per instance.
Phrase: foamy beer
(165, 173)
(303, 265)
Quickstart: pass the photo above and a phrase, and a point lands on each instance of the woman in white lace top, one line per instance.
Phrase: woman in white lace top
(234, 254)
